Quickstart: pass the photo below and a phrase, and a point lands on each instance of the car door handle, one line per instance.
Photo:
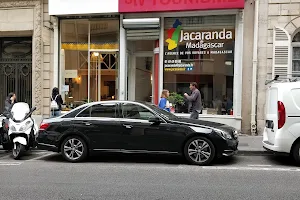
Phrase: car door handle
(87, 123)
(127, 126)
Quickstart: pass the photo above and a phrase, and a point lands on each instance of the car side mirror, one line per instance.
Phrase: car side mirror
(155, 120)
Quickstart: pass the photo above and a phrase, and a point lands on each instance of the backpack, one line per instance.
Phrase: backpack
(54, 105)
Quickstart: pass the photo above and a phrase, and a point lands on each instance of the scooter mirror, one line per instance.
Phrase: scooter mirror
(5, 115)
(33, 109)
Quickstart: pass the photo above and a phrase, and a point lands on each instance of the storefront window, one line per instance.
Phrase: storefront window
(201, 50)
(89, 68)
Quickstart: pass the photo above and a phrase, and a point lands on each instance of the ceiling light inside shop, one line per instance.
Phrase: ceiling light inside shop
(96, 54)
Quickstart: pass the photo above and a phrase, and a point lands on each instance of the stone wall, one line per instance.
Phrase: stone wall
(12, 27)
(48, 24)
(282, 13)
(247, 66)
(30, 18)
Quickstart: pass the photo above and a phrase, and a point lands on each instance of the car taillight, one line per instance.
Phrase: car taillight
(281, 114)
(44, 126)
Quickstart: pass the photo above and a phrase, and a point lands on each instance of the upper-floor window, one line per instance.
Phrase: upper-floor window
(296, 55)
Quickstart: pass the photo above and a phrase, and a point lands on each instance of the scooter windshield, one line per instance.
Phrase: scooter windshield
(19, 111)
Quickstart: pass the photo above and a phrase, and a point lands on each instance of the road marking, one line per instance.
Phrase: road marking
(251, 168)
(4, 157)
(259, 165)
(43, 156)
(10, 163)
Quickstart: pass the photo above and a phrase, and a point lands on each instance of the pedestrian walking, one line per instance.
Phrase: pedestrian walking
(10, 100)
(163, 102)
(56, 102)
(194, 101)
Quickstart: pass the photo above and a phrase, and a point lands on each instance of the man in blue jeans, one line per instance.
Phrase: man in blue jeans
(195, 101)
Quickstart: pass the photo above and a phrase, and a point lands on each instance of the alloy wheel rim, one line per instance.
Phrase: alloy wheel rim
(199, 151)
(73, 149)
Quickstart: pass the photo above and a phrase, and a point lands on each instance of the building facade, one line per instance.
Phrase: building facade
(26, 34)
(132, 50)
(278, 46)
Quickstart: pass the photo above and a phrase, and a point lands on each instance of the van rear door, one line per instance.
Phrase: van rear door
(272, 113)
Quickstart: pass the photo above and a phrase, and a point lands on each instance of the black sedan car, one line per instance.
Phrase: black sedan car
(134, 127)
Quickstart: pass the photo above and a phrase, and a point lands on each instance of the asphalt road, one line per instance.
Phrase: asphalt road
(43, 175)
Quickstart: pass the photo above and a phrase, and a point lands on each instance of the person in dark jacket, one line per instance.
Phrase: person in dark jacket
(56, 98)
(195, 101)
(9, 102)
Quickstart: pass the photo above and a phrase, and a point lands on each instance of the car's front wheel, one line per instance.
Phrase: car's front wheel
(199, 151)
(74, 149)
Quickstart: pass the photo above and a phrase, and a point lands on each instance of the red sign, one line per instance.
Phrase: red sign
(134, 6)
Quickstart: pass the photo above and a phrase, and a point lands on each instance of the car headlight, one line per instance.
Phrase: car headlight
(26, 126)
(12, 128)
(223, 134)
(236, 134)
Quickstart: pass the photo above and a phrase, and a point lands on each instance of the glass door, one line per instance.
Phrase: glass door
(103, 75)
(140, 77)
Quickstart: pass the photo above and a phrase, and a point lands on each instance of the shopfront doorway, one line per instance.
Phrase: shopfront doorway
(140, 77)
(140, 70)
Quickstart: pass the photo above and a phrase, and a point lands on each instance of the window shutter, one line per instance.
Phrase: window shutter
(281, 53)
(147, 34)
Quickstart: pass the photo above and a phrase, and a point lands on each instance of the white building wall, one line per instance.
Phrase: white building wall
(282, 13)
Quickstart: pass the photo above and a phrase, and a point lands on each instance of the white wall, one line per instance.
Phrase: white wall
(78, 7)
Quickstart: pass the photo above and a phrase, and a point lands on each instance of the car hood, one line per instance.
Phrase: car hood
(207, 124)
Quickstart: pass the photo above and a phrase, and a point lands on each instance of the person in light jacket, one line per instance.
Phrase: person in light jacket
(195, 101)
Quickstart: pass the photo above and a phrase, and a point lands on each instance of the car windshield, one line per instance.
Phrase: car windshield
(162, 113)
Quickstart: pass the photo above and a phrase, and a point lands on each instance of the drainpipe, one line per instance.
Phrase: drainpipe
(254, 70)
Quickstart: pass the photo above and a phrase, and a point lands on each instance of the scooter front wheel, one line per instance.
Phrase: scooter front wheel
(18, 150)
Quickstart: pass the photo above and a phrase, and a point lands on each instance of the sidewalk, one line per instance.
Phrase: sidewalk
(251, 145)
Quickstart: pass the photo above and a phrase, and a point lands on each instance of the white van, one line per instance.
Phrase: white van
(282, 130)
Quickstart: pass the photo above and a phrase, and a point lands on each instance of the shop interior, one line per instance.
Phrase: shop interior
(89, 70)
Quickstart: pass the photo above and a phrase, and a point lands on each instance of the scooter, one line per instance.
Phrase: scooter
(22, 129)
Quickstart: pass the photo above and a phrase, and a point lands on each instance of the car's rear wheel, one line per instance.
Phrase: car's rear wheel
(296, 153)
(199, 151)
(74, 149)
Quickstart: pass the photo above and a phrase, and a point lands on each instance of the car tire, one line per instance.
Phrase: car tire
(296, 153)
(74, 149)
(199, 151)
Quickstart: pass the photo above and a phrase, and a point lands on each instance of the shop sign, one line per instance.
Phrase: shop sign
(193, 43)
(134, 6)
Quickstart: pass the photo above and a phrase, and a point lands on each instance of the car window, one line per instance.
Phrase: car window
(74, 112)
(100, 110)
(133, 111)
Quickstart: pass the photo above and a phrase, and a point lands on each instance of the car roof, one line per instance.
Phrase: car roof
(117, 101)
(286, 84)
